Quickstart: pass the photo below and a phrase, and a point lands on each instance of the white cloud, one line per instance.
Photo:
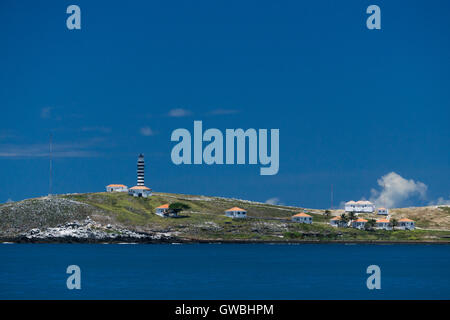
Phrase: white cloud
(179, 112)
(395, 190)
(440, 202)
(147, 131)
(273, 201)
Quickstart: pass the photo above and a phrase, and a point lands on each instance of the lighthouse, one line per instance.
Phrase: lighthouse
(140, 170)
(140, 190)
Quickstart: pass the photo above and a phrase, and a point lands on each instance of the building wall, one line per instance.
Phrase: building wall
(406, 225)
(358, 225)
(116, 189)
(369, 208)
(383, 226)
(337, 223)
(307, 220)
(236, 214)
(143, 193)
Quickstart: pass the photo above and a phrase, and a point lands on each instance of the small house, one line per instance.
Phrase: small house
(236, 212)
(406, 224)
(140, 191)
(337, 222)
(164, 211)
(116, 188)
(302, 218)
(383, 224)
(382, 211)
(359, 223)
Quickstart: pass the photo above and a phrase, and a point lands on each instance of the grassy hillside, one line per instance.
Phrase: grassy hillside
(205, 219)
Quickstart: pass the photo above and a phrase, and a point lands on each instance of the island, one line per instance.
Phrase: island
(116, 217)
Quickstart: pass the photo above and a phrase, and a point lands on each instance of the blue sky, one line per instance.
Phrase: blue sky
(352, 104)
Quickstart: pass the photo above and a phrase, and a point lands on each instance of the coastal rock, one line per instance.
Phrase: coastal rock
(89, 231)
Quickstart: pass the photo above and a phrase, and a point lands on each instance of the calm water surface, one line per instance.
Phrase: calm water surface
(224, 271)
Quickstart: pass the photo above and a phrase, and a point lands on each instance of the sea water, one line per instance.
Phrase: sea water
(224, 271)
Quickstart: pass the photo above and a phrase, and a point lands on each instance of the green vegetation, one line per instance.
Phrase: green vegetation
(178, 207)
(202, 219)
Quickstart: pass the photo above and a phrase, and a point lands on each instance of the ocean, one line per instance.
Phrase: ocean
(224, 271)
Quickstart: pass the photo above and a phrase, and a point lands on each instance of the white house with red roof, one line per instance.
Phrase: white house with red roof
(337, 222)
(406, 224)
(164, 211)
(359, 223)
(140, 191)
(236, 212)
(116, 188)
(382, 211)
(383, 224)
(302, 218)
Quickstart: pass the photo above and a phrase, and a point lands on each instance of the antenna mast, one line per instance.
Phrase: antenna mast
(50, 168)
(331, 196)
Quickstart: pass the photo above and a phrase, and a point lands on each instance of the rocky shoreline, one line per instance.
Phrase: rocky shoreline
(91, 232)
(88, 231)
(149, 240)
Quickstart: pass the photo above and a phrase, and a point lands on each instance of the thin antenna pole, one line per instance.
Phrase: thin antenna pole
(331, 196)
(51, 165)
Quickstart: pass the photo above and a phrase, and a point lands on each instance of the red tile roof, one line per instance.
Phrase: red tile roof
(302, 215)
(139, 188)
(235, 209)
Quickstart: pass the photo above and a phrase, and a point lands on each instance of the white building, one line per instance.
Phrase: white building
(337, 222)
(236, 212)
(406, 224)
(359, 206)
(140, 191)
(164, 211)
(302, 218)
(383, 224)
(116, 188)
(359, 223)
(383, 211)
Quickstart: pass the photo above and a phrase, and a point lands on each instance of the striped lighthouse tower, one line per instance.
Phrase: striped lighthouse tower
(140, 170)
